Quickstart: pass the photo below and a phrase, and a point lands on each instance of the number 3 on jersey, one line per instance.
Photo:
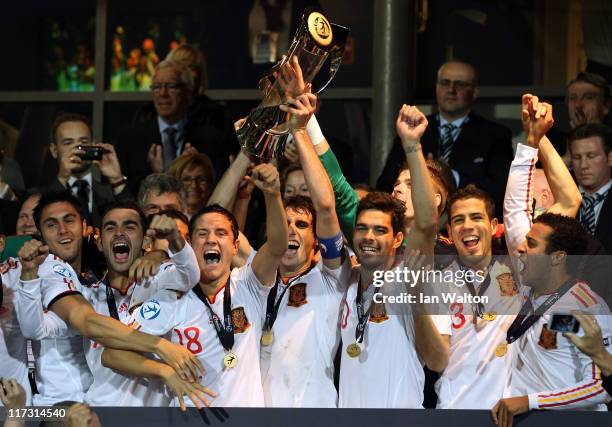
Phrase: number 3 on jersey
(456, 309)
(191, 335)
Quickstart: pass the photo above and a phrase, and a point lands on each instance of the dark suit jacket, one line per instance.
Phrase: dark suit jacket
(134, 143)
(603, 231)
(481, 155)
(102, 195)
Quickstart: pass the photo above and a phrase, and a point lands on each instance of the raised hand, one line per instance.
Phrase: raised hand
(80, 415)
(147, 265)
(109, 165)
(410, 124)
(266, 178)
(32, 254)
(301, 108)
(536, 118)
(291, 152)
(290, 78)
(164, 227)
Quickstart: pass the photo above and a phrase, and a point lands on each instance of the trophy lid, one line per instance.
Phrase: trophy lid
(319, 29)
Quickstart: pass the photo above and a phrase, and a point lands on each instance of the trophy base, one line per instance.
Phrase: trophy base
(266, 140)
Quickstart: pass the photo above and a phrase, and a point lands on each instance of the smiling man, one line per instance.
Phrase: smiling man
(220, 321)
(62, 373)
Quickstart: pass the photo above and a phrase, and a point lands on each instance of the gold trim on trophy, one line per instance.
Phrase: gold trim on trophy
(320, 29)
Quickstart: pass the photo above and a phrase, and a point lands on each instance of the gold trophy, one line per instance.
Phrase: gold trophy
(265, 132)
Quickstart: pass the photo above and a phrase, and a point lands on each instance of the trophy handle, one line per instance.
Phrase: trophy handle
(336, 53)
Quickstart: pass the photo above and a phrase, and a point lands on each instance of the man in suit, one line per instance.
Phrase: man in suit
(150, 146)
(75, 174)
(478, 151)
(590, 148)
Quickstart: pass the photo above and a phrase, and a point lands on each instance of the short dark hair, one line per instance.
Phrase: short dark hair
(386, 203)
(472, 192)
(162, 183)
(568, 235)
(65, 117)
(594, 79)
(215, 208)
(124, 204)
(439, 183)
(591, 130)
(285, 172)
(303, 204)
(50, 198)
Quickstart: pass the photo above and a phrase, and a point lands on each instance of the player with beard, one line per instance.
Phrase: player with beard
(300, 336)
(220, 321)
(62, 371)
(385, 344)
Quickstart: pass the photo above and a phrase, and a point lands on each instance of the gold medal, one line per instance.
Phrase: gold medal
(501, 349)
(353, 350)
(230, 360)
(267, 338)
(490, 316)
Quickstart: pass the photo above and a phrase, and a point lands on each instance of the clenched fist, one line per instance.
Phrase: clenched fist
(164, 227)
(32, 254)
(410, 125)
(265, 177)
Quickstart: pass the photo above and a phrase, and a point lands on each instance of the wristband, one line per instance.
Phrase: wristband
(332, 247)
(120, 182)
(314, 131)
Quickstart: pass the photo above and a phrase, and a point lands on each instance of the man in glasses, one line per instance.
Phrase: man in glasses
(478, 151)
(151, 145)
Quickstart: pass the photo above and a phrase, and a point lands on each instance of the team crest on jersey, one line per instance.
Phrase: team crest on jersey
(507, 285)
(240, 320)
(62, 270)
(150, 310)
(297, 295)
(548, 339)
(378, 314)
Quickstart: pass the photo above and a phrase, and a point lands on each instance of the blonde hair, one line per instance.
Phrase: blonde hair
(189, 55)
(182, 163)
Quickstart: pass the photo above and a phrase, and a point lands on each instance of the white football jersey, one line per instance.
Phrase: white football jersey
(13, 350)
(185, 320)
(111, 388)
(549, 368)
(388, 373)
(475, 376)
(61, 369)
(298, 368)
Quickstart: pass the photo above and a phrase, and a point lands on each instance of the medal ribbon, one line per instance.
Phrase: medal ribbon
(480, 309)
(225, 330)
(362, 318)
(273, 304)
(522, 323)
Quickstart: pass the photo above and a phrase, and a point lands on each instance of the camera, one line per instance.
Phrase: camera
(563, 323)
(91, 152)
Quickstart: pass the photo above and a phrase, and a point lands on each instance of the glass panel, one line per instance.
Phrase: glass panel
(50, 44)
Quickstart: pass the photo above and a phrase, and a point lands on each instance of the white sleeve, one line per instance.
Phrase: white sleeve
(518, 199)
(248, 283)
(34, 323)
(58, 280)
(158, 315)
(182, 273)
(337, 280)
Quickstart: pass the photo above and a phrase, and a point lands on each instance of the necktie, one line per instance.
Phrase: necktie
(82, 192)
(446, 143)
(587, 211)
(169, 147)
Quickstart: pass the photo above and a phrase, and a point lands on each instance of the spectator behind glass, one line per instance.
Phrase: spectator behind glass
(478, 150)
(160, 192)
(293, 182)
(151, 144)
(75, 174)
(197, 174)
(25, 221)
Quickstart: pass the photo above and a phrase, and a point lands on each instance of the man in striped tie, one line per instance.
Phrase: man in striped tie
(590, 147)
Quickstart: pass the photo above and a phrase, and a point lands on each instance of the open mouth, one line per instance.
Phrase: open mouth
(471, 242)
(292, 247)
(212, 257)
(121, 251)
(65, 242)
